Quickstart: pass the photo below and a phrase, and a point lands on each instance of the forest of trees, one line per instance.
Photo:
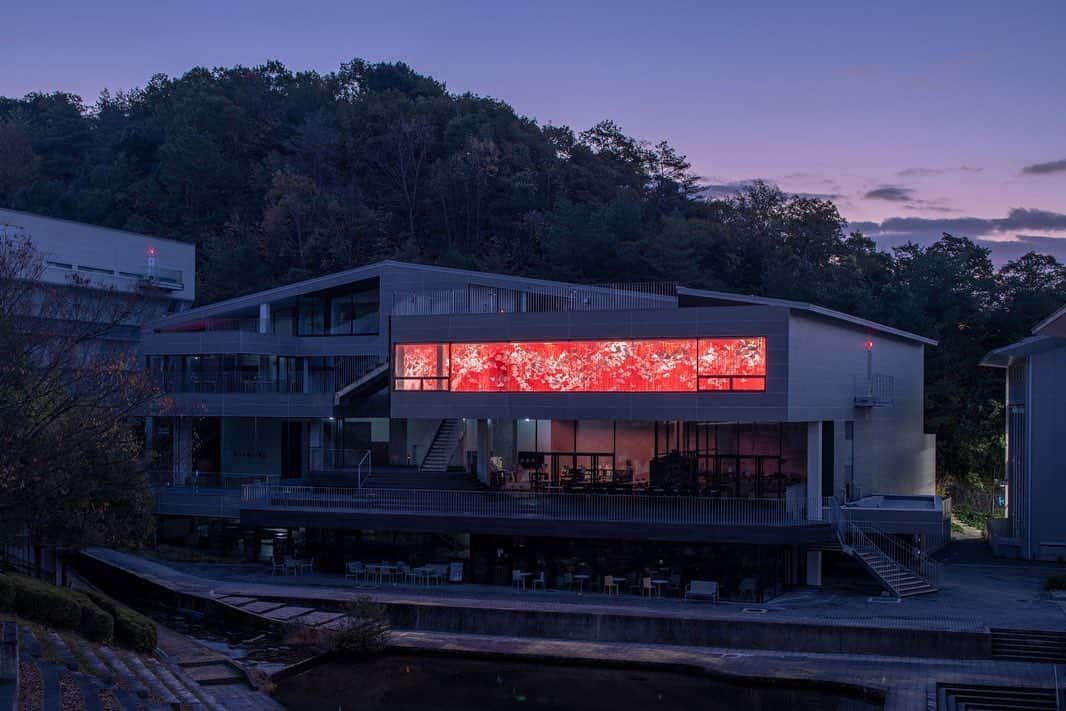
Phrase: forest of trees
(278, 176)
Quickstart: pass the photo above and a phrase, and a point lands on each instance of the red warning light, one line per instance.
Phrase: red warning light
(869, 345)
(151, 251)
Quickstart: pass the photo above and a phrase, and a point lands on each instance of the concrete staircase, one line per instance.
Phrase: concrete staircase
(442, 448)
(968, 697)
(1029, 646)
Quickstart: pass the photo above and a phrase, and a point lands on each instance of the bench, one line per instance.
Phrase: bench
(702, 590)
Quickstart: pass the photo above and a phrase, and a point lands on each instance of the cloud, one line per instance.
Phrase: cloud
(1055, 166)
(927, 172)
(1008, 237)
(724, 189)
(922, 206)
(892, 193)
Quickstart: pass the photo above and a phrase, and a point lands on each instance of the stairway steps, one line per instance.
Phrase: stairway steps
(123, 672)
(155, 685)
(989, 698)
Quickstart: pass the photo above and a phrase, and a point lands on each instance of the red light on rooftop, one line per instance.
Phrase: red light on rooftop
(869, 345)
(151, 251)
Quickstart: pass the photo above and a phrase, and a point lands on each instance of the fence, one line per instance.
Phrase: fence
(603, 508)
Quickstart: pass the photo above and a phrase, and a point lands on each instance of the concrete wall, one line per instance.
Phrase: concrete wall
(1046, 417)
(768, 406)
(890, 444)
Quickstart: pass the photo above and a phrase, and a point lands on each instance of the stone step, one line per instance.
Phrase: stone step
(96, 666)
(155, 685)
(218, 673)
(51, 699)
(63, 652)
(185, 695)
(123, 674)
(90, 692)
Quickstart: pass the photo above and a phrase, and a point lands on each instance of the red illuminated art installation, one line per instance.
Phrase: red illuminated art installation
(631, 366)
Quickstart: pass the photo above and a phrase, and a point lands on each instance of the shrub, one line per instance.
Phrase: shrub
(42, 602)
(364, 631)
(7, 592)
(96, 625)
(132, 629)
(1056, 582)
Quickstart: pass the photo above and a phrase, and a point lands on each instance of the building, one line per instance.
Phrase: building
(159, 273)
(1033, 491)
(398, 377)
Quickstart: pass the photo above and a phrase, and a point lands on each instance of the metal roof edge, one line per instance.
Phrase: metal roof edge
(804, 306)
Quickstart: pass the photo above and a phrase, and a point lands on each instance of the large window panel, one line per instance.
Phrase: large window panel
(633, 365)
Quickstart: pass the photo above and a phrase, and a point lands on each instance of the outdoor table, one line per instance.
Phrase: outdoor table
(380, 569)
(658, 583)
(580, 578)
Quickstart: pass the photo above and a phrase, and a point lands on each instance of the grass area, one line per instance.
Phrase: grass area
(969, 517)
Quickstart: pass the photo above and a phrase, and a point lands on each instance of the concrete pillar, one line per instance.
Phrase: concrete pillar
(814, 471)
(483, 437)
(182, 443)
(814, 568)
(307, 375)
(264, 318)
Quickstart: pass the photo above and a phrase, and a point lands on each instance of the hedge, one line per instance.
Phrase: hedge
(7, 592)
(58, 607)
(132, 629)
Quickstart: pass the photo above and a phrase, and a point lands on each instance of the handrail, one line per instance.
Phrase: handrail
(855, 535)
(681, 510)
(359, 468)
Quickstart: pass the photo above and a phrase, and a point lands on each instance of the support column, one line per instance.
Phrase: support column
(814, 568)
(264, 318)
(814, 471)
(483, 451)
(182, 450)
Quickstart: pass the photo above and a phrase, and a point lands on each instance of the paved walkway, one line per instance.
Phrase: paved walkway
(906, 683)
(974, 596)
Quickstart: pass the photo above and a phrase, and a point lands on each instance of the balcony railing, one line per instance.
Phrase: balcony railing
(207, 503)
(598, 508)
(233, 382)
(874, 390)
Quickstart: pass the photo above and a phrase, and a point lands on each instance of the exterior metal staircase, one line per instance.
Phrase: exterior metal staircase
(440, 450)
(358, 374)
(901, 569)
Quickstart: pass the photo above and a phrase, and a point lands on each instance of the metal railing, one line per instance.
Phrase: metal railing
(536, 298)
(188, 501)
(602, 508)
(348, 369)
(874, 390)
(238, 382)
(858, 535)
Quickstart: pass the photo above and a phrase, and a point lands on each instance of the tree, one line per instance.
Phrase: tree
(69, 461)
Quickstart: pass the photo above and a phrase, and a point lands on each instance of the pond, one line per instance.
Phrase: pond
(407, 683)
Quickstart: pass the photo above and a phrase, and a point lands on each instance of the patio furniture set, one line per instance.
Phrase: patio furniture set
(292, 566)
(394, 573)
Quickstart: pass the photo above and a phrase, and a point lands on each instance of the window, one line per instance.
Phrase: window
(637, 365)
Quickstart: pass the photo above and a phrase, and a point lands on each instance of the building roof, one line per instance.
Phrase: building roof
(1003, 357)
(1053, 325)
(329, 281)
(727, 297)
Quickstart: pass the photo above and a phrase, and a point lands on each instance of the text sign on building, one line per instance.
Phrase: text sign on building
(661, 365)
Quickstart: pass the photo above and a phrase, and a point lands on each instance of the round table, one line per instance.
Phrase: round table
(658, 583)
(580, 579)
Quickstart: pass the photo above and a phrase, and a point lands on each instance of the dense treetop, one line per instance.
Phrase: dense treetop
(278, 175)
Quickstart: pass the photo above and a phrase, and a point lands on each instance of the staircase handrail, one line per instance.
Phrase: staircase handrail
(366, 459)
(905, 554)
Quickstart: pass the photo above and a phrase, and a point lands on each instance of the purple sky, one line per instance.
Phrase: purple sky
(915, 117)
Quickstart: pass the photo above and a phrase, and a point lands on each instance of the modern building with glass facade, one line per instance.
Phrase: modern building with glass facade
(398, 378)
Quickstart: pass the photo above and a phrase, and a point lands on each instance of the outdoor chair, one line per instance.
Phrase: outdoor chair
(306, 566)
(609, 585)
(419, 575)
(291, 566)
(539, 580)
(436, 573)
(277, 566)
(518, 581)
(355, 569)
(747, 589)
(646, 588)
(702, 590)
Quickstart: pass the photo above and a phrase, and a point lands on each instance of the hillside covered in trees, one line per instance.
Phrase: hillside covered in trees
(278, 175)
